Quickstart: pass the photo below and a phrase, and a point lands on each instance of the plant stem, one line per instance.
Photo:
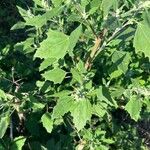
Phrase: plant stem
(98, 41)
(11, 129)
(116, 32)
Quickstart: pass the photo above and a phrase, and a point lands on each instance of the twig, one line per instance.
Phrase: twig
(11, 129)
(15, 82)
(74, 129)
(12, 74)
(29, 146)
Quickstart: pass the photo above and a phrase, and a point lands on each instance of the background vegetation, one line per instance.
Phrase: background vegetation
(74, 74)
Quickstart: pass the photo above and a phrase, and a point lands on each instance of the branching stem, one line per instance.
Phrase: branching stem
(116, 32)
(94, 50)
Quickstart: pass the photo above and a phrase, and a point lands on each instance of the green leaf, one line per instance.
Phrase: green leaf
(4, 122)
(57, 2)
(74, 37)
(25, 46)
(35, 104)
(47, 62)
(117, 92)
(81, 113)
(2, 95)
(99, 110)
(133, 107)
(18, 25)
(147, 102)
(95, 3)
(40, 20)
(62, 93)
(23, 13)
(103, 94)
(121, 60)
(142, 38)
(64, 105)
(106, 6)
(55, 46)
(124, 37)
(84, 3)
(146, 17)
(18, 143)
(47, 122)
(38, 2)
(115, 74)
(37, 21)
(81, 67)
(102, 147)
(53, 13)
(76, 75)
(56, 75)
(75, 18)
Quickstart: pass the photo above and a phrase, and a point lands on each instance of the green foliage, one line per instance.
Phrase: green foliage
(56, 75)
(4, 122)
(18, 143)
(133, 107)
(74, 37)
(64, 105)
(55, 46)
(74, 74)
(47, 122)
(141, 39)
(81, 113)
(106, 6)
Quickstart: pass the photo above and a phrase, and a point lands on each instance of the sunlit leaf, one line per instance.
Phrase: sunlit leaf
(142, 38)
(47, 122)
(81, 113)
(64, 105)
(55, 46)
(74, 37)
(18, 143)
(133, 107)
(4, 122)
(56, 75)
